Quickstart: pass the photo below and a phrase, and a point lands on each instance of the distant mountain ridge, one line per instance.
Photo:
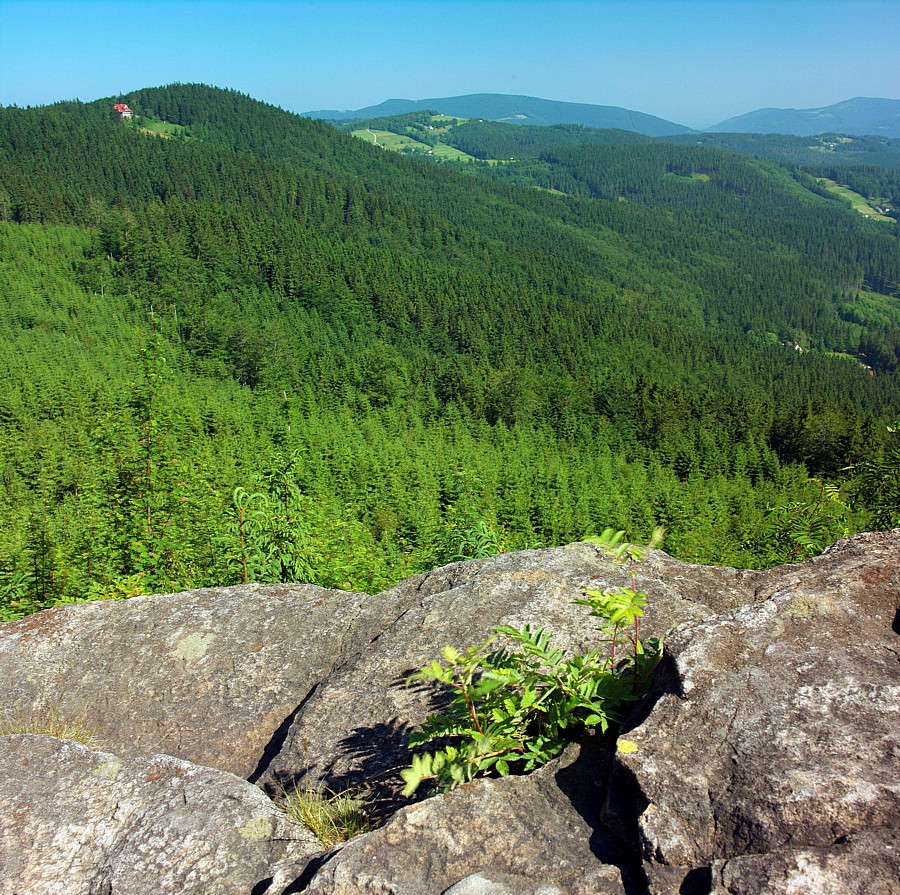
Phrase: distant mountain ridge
(859, 116)
(513, 109)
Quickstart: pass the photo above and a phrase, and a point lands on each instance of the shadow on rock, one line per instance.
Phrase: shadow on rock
(370, 758)
(277, 741)
(376, 756)
(585, 782)
(666, 679)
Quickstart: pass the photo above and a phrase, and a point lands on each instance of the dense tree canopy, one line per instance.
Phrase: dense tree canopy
(256, 348)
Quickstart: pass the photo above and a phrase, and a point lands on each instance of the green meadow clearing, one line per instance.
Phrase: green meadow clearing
(442, 150)
(389, 140)
(860, 203)
(404, 143)
(873, 309)
(695, 176)
(165, 129)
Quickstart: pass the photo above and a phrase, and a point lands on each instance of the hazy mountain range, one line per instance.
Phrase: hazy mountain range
(862, 115)
(519, 110)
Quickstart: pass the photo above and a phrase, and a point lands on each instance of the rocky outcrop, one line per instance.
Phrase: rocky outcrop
(519, 834)
(74, 821)
(859, 864)
(217, 676)
(766, 758)
(775, 730)
(208, 676)
(353, 730)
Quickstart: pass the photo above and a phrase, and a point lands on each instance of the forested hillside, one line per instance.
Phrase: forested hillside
(834, 150)
(493, 140)
(257, 348)
(867, 165)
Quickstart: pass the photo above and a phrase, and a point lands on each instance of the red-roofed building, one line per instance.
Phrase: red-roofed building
(123, 111)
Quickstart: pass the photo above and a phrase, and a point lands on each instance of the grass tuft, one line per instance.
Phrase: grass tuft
(50, 722)
(333, 817)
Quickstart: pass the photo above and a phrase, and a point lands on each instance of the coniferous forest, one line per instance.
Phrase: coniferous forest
(240, 345)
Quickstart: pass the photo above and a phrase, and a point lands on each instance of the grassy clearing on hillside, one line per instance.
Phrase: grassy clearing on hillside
(695, 177)
(430, 130)
(845, 356)
(403, 143)
(442, 150)
(164, 129)
(442, 124)
(390, 140)
(860, 203)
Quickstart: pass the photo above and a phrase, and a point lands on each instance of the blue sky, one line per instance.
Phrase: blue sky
(696, 62)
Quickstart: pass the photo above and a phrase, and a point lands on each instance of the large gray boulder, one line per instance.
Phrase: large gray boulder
(535, 835)
(771, 754)
(859, 864)
(766, 758)
(74, 821)
(208, 675)
(353, 729)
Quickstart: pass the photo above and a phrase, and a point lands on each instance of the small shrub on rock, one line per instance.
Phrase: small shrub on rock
(515, 706)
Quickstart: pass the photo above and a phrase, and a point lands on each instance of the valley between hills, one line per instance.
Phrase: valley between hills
(243, 345)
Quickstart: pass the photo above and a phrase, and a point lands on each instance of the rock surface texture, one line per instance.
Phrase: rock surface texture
(208, 675)
(354, 728)
(74, 821)
(767, 759)
(776, 732)
(519, 835)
